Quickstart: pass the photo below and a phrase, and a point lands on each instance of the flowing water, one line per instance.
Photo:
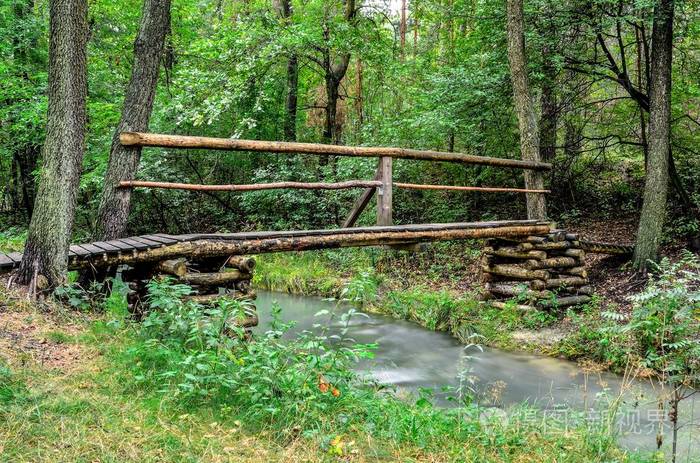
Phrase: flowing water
(412, 358)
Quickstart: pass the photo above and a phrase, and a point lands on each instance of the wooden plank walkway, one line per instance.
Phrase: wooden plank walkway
(127, 247)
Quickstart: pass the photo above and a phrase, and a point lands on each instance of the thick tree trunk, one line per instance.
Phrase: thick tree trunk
(656, 188)
(46, 250)
(529, 136)
(136, 113)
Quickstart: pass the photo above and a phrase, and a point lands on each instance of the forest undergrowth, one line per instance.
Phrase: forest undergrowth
(181, 385)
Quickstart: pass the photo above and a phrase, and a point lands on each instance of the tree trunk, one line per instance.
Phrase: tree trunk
(548, 119)
(330, 134)
(290, 119)
(402, 29)
(656, 188)
(529, 137)
(136, 113)
(334, 74)
(26, 160)
(46, 250)
(290, 103)
(359, 102)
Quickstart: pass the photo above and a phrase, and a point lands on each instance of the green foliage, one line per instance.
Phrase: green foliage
(12, 239)
(431, 309)
(198, 353)
(595, 337)
(361, 289)
(665, 324)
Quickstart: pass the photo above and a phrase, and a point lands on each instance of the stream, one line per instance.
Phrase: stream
(410, 358)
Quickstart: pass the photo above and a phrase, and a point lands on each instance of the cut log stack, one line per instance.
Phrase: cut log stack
(211, 280)
(546, 271)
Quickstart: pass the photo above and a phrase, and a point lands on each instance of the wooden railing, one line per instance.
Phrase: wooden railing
(382, 184)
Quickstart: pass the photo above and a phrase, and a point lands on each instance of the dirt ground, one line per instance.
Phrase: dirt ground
(39, 332)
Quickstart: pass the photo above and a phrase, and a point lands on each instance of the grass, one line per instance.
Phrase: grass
(12, 239)
(99, 407)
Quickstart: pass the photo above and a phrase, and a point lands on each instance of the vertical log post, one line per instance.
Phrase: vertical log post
(384, 193)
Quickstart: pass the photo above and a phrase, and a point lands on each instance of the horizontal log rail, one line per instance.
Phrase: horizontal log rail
(253, 187)
(417, 186)
(189, 142)
(315, 186)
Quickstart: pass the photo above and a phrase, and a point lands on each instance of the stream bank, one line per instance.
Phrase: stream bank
(438, 289)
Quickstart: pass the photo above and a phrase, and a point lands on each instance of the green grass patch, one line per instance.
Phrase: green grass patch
(12, 239)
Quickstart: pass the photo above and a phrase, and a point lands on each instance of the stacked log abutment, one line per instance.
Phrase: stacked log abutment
(212, 280)
(536, 272)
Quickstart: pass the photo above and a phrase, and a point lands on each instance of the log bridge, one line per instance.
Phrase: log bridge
(526, 259)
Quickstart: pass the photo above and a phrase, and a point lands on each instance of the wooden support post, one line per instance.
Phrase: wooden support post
(384, 193)
(361, 203)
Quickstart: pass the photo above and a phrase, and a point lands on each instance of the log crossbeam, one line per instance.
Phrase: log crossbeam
(370, 185)
(230, 144)
(252, 187)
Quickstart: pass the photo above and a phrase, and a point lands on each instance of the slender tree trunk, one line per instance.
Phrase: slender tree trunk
(26, 160)
(290, 104)
(656, 188)
(332, 96)
(290, 117)
(416, 24)
(334, 74)
(402, 29)
(46, 250)
(136, 113)
(642, 83)
(359, 101)
(529, 136)
(548, 119)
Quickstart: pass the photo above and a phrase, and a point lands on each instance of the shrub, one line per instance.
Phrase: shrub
(195, 352)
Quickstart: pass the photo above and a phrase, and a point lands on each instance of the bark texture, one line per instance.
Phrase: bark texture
(656, 187)
(527, 121)
(136, 113)
(46, 250)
